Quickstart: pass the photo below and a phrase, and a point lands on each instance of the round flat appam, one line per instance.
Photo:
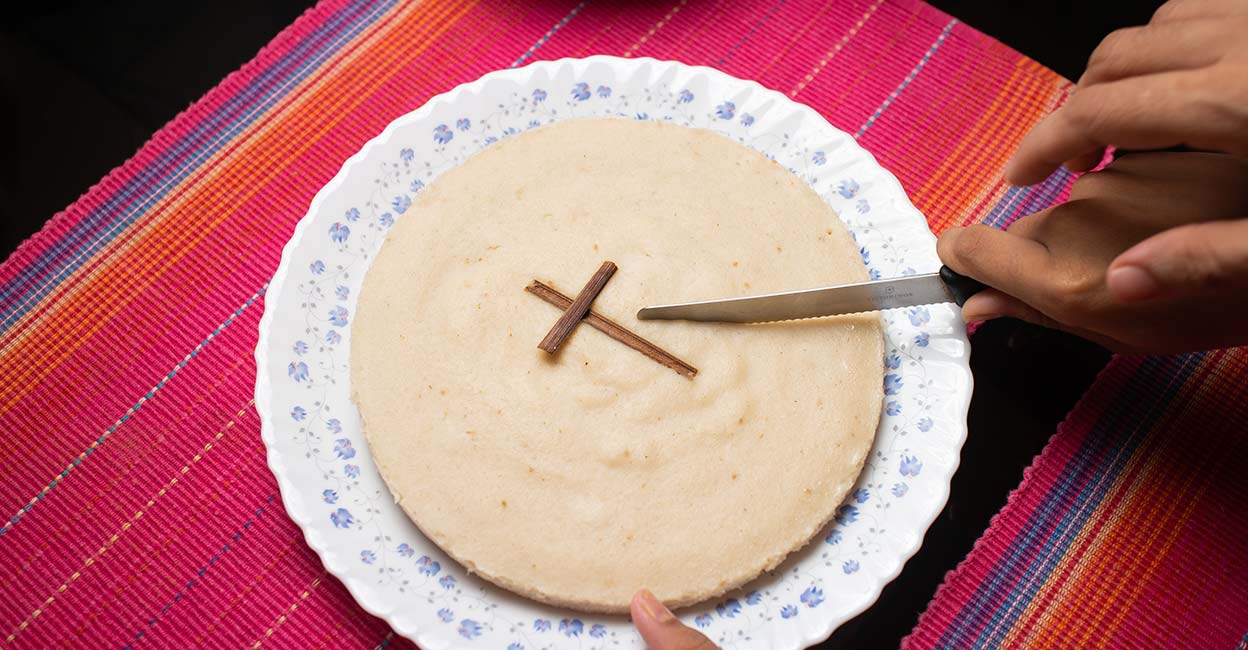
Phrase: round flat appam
(577, 478)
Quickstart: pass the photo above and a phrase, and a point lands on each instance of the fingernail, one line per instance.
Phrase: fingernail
(1132, 283)
(972, 317)
(655, 609)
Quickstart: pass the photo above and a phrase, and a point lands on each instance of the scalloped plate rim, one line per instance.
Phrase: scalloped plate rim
(264, 390)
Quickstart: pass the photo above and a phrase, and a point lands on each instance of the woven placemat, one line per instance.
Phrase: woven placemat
(1129, 531)
(139, 507)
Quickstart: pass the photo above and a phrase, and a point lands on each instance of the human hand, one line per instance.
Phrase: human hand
(661, 629)
(1182, 79)
(1150, 254)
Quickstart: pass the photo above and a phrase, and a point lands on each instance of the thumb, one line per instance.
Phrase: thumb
(1194, 258)
(661, 629)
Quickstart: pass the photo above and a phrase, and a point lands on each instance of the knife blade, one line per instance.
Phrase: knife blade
(908, 291)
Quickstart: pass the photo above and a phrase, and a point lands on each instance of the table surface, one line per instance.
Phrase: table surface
(83, 105)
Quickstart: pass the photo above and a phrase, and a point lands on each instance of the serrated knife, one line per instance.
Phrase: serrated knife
(909, 291)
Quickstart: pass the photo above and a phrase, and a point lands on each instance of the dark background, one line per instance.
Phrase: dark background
(84, 84)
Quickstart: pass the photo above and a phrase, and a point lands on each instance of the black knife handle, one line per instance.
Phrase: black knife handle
(959, 285)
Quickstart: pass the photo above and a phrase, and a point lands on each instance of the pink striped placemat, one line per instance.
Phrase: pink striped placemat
(1129, 531)
(140, 511)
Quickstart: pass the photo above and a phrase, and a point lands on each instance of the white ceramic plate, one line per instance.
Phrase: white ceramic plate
(332, 490)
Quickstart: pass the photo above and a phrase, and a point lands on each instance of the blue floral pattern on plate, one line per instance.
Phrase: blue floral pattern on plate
(317, 449)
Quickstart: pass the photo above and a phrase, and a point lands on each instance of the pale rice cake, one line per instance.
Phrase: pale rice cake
(579, 478)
